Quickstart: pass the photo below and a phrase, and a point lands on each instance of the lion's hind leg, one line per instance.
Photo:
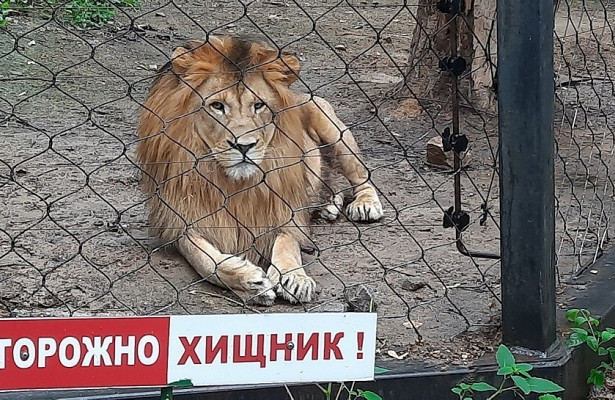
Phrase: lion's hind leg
(227, 271)
(366, 205)
(319, 168)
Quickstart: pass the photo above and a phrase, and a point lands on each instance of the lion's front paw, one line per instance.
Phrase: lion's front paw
(332, 211)
(365, 207)
(259, 287)
(296, 287)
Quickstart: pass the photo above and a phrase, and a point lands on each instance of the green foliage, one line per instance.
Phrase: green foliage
(7, 6)
(367, 395)
(4, 12)
(585, 331)
(80, 13)
(95, 13)
(379, 370)
(516, 378)
(350, 391)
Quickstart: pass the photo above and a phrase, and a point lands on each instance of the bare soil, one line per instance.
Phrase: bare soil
(73, 231)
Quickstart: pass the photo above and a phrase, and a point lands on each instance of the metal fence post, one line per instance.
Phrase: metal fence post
(526, 145)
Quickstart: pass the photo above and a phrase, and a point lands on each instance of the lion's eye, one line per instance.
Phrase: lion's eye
(259, 107)
(217, 106)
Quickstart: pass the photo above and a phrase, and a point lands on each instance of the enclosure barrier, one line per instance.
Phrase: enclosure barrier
(74, 239)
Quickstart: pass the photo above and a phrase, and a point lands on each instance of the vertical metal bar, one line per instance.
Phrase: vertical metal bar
(454, 41)
(525, 105)
(461, 247)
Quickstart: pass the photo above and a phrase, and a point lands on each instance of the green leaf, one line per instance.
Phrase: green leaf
(606, 335)
(523, 373)
(504, 357)
(596, 377)
(464, 386)
(456, 390)
(594, 321)
(592, 342)
(549, 397)
(522, 367)
(602, 351)
(380, 370)
(578, 321)
(571, 314)
(521, 383)
(369, 395)
(606, 366)
(574, 340)
(580, 331)
(181, 383)
(540, 385)
(505, 371)
(482, 387)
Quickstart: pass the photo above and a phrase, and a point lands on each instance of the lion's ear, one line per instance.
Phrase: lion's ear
(285, 69)
(190, 52)
(182, 58)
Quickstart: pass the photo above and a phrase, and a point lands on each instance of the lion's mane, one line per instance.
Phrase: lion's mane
(186, 188)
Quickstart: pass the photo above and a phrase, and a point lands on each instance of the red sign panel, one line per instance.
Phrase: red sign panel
(83, 352)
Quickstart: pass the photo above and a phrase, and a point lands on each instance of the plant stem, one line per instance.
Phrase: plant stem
(339, 391)
(327, 391)
(350, 391)
(589, 323)
(500, 389)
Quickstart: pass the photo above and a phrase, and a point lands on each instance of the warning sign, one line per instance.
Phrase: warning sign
(49, 353)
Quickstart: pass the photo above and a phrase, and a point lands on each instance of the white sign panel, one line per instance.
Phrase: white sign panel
(54, 353)
(272, 348)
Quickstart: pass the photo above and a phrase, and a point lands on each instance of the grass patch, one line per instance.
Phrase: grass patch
(84, 14)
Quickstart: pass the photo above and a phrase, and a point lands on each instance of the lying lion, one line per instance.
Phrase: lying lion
(231, 159)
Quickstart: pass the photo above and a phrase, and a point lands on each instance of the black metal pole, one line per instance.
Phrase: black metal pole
(525, 105)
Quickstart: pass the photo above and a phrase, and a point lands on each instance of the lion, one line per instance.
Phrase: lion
(231, 160)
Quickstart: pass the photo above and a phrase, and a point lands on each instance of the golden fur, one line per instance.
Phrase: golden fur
(226, 210)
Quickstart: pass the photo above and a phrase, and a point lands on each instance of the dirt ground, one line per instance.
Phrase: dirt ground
(73, 232)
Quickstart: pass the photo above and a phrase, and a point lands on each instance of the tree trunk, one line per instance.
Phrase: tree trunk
(429, 42)
(484, 60)
(476, 42)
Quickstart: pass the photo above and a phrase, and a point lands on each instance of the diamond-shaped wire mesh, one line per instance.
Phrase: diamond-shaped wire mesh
(74, 234)
(585, 140)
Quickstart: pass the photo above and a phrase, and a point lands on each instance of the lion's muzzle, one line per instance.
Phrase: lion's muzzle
(242, 159)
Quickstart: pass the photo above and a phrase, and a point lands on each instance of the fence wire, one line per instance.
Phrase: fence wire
(74, 235)
(584, 136)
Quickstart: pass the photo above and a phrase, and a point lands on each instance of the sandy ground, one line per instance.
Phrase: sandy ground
(73, 232)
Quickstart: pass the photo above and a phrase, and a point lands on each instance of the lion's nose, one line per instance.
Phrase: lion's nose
(242, 148)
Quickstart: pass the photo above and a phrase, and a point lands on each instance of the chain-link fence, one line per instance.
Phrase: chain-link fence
(75, 238)
(585, 140)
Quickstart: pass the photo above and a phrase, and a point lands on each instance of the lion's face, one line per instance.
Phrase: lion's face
(237, 123)
(236, 88)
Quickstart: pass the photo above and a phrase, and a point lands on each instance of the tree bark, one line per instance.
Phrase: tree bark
(429, 42)
(484, 60)
(476, 42)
